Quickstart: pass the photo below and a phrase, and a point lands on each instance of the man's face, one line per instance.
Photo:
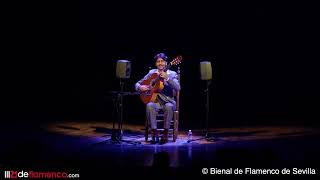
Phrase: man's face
(161, 64)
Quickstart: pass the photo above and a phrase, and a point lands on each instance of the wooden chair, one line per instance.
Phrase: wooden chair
(174, 124)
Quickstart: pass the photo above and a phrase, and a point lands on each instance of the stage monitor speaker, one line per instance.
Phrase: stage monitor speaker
(123, 69)
(205, 70)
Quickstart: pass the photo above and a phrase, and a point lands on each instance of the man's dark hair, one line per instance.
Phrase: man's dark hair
(161, 55)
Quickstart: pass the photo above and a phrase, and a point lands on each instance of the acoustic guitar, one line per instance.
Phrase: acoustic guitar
(155, 83)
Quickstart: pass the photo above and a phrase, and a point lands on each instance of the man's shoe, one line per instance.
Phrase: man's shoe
(155, 137)
(164, 138)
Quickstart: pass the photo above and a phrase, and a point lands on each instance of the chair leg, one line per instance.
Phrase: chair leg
(175, 126)
(175, 134)
(146, 130)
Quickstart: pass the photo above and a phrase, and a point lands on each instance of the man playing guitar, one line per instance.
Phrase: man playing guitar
(157, 92)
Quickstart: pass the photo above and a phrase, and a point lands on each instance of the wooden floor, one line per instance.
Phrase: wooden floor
(82, 145)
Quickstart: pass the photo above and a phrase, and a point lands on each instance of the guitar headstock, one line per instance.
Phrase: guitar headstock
(176, 60)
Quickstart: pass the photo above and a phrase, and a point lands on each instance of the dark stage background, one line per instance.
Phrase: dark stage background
(59, 60)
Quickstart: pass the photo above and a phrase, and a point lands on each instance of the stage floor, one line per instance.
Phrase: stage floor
(85, 144)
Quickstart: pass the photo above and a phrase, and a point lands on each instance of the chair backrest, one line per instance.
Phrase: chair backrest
(177, 93)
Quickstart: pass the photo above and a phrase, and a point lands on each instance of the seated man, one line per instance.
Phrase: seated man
(164, 99)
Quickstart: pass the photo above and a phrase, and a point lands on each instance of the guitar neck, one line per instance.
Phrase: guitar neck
(167, 67)
(165, 70)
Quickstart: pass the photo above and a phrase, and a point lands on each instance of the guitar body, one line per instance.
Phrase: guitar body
(155, 89)
(155, 84)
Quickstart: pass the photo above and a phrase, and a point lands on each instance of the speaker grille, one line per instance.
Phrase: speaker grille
(205, 70)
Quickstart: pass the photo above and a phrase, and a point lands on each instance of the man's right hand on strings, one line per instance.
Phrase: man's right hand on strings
(144, 88)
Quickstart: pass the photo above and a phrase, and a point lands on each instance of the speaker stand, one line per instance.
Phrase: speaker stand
(208, 136)
(117, 139)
